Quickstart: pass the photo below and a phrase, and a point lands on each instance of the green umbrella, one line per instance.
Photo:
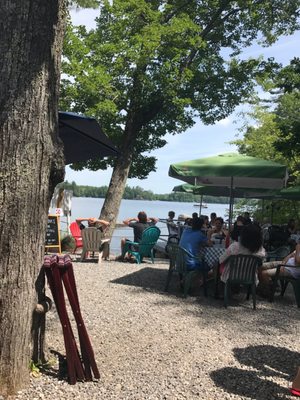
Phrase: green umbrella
(234, 171)
(222, 191)
(291, 193)
(231, 170)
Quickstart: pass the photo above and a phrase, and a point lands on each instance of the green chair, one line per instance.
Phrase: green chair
(284, 281)
(178, 257)
(279, 254)
(145, 247)
(242, 271)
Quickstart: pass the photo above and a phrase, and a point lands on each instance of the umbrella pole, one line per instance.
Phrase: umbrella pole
(230, 203)
(272, 212)
(200, 209)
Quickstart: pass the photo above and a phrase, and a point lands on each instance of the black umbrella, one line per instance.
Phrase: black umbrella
(83, 138)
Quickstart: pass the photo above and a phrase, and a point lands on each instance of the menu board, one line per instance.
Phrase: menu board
(52, 233)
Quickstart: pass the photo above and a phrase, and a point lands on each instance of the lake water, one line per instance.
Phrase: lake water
(91, 207)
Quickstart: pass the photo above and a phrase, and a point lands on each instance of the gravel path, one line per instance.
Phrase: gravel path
(155, 345)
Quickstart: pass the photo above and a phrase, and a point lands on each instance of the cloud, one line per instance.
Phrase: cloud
(224, 122)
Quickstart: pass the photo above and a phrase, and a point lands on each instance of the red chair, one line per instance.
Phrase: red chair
(76, 233)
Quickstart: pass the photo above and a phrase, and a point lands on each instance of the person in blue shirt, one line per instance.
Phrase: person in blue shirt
(192, 240)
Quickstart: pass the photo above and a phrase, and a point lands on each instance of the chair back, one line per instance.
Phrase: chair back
(178, 257)
(92, 239)
(172, 251)
(242, 268)
(149, 238)
(278, 254)
(75, 230)
(181, 258)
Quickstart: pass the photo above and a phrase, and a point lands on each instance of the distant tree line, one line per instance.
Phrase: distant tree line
(138, 193)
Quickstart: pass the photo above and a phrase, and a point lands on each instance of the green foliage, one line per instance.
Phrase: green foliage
(68, 243)
(287, 116)
(137, 193)
(83, 3)
(150, 67)
(276, 134)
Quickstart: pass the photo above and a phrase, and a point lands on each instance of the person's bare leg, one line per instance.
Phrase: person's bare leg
(123, 240)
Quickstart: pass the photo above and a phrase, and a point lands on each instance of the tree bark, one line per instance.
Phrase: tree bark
(116, 189)
(31, 164)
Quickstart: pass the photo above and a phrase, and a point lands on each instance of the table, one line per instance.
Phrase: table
(211, 255)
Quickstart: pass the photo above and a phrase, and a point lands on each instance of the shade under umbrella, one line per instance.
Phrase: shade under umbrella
(83, 138)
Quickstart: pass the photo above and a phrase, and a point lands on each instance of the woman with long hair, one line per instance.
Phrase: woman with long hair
(250, 243)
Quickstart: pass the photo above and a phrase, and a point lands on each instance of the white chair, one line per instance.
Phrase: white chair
(93, 240)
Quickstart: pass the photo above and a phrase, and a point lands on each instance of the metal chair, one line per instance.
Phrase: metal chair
(284, 281)
(178, 257)
(242, 271)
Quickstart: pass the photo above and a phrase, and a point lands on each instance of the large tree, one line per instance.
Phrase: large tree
(273, 130)
(32, 163)
(151, 66)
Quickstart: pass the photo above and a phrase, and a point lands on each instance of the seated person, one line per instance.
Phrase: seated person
(288, 270)
(213, 217)
(247, 219)
(237, 227)
(192, 240)
(205, 226)
(250, 243)
(195, 215)
(291, 228)
(171, 225)
(138, 224)
(100, 224)
(291, 231)
(218, 233)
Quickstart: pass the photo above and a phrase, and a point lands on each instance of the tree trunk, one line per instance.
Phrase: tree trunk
(116, 189)
(31, 164)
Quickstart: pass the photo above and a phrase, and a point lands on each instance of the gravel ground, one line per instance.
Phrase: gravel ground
(155, 345)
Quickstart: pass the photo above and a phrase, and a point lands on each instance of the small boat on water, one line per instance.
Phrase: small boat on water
(198, 205)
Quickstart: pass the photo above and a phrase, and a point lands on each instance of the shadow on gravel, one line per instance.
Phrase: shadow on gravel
(60, 373)
(270, 362)
(147, 278)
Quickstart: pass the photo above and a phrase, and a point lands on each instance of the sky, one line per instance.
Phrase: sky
(198, 141)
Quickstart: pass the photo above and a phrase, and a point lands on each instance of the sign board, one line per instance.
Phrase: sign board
(53, 233)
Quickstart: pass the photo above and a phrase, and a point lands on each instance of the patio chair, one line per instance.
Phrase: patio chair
(145, 247)
(93, 240)
(76, 233)
(242, 271)
(278, 254)
(284, 281)
(178, 257)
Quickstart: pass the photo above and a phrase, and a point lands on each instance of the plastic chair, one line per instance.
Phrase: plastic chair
(178, 257)
(145, 247)
(93, 240)
(284, 281)
(76, 233)
(242, 271)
